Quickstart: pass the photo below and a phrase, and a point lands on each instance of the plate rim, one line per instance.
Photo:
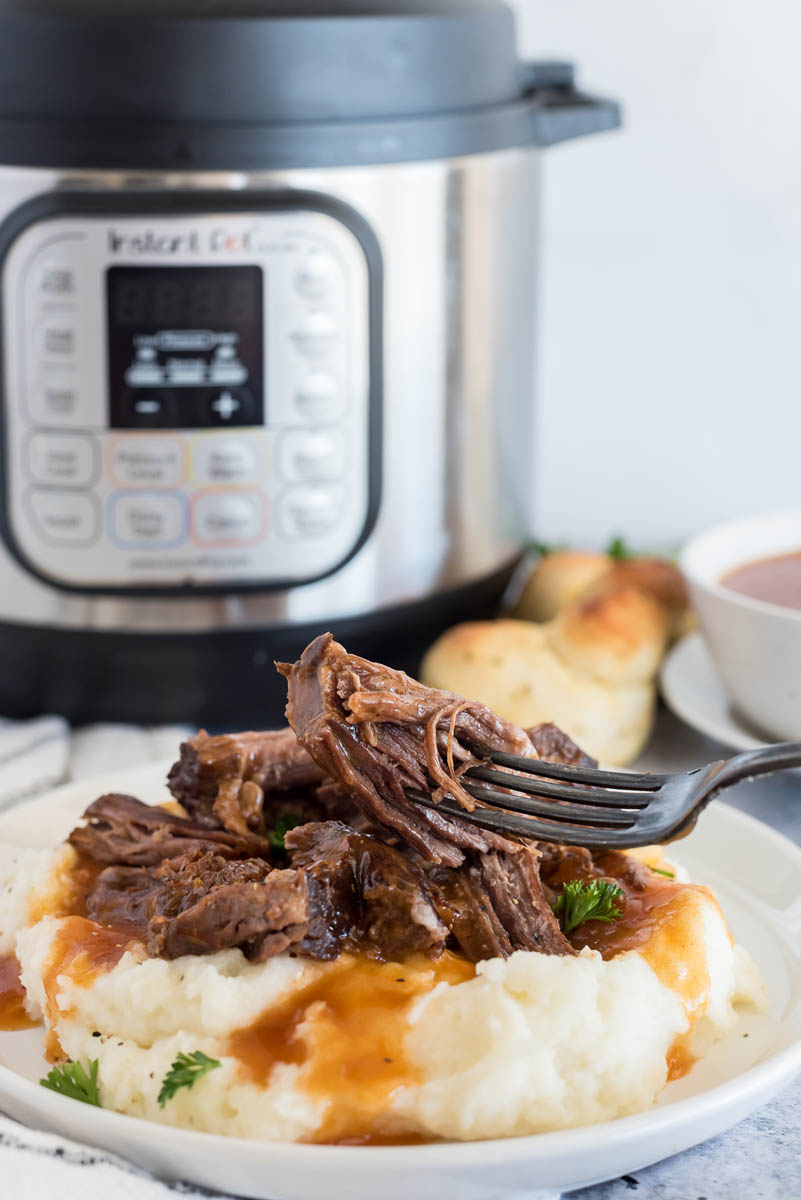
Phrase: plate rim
(729, 731)
(764, 1077)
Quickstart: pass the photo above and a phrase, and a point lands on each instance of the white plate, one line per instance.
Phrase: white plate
(693, 690)
(757, 876)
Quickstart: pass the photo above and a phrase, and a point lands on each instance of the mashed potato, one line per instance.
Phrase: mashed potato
(529, 1044)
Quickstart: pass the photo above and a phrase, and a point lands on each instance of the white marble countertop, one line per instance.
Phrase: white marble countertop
(759, 1159)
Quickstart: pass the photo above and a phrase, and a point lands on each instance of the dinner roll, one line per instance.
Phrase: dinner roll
(617, 636)
(585, 651)
(516, 668)
(558, 579)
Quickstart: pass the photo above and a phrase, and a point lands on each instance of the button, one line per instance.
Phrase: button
(62, 458)
(311, 457)
(225, 460)
(316, 335)
(225, 369)
(315, 274)
(148, 519)
(65, 517)
(230, 406)
(147, 409)
(57, 281)
(57, 337)
(149, 461)
(225, 518)
(318, 396)
(54, 397)
(310, 512)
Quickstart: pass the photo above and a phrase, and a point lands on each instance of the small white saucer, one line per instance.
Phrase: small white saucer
(692, 688)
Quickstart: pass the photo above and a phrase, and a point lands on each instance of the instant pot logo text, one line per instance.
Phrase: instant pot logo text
(217, 240)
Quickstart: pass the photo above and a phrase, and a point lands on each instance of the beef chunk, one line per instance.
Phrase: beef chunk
(561, 864)
(120, 829)
(513, 883)
(495, 905)
(552, 744)
(465, 907)
(246, 781)
(364, 895)
(263, 918)
(199, 902)
(378, 732)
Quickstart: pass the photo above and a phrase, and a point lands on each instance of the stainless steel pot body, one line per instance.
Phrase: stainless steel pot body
(458, 240)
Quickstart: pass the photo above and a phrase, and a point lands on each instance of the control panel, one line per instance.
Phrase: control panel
(188, 399)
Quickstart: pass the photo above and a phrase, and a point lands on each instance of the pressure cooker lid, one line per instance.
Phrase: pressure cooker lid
(261, 83)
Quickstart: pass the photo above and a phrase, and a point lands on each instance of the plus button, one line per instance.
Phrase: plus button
(226, 406)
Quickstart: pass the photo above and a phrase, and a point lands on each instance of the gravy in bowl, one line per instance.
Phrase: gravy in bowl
(776, 579)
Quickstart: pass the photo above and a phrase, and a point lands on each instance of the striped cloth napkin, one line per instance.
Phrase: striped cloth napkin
(42, 753)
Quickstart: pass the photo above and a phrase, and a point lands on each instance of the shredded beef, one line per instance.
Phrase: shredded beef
(465, 906)
(364, 895)
(120, 829)
(199, 902)
(513, 883)
(368, 871)
(552, 744)
(379, 732)
(246, 781)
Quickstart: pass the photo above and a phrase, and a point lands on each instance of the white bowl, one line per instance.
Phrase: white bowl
(755, 645)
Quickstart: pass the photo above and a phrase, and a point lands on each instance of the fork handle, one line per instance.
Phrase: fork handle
(782, 756)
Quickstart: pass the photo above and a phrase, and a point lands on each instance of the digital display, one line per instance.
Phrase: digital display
(185, 346)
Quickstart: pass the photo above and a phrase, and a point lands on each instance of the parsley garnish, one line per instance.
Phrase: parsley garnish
(618, 549)
(667, 874)
(546, 548)
(71, 1080)
(184, 1072)
(594, 901)
(276, 835)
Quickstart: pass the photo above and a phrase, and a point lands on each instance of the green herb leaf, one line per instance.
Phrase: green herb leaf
(546, 548)
(276, 835)
(594, 901)
(70, 1079)
(185, 1072)
(619, 550)
(667, 874)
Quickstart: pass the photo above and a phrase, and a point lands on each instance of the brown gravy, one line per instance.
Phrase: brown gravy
(82, 950)
(345, 1031)
(72, 884)
(776, 580)
(641, 913)
(12, 996)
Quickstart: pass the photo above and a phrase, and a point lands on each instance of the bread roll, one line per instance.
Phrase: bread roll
(585, 654)
(617, 636)
(558, 580)
(515, 668)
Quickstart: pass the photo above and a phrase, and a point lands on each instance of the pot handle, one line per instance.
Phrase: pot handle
(559, 110)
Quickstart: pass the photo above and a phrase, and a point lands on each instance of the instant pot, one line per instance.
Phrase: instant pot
(268, 277)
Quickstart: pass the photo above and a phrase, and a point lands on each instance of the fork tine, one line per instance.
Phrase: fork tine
(644, 781)
(530, 828)
(571, 793)
(576, 814)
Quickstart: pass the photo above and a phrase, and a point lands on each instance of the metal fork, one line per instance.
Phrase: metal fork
(587, 807)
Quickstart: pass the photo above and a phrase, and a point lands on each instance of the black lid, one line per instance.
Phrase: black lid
(259, 84)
